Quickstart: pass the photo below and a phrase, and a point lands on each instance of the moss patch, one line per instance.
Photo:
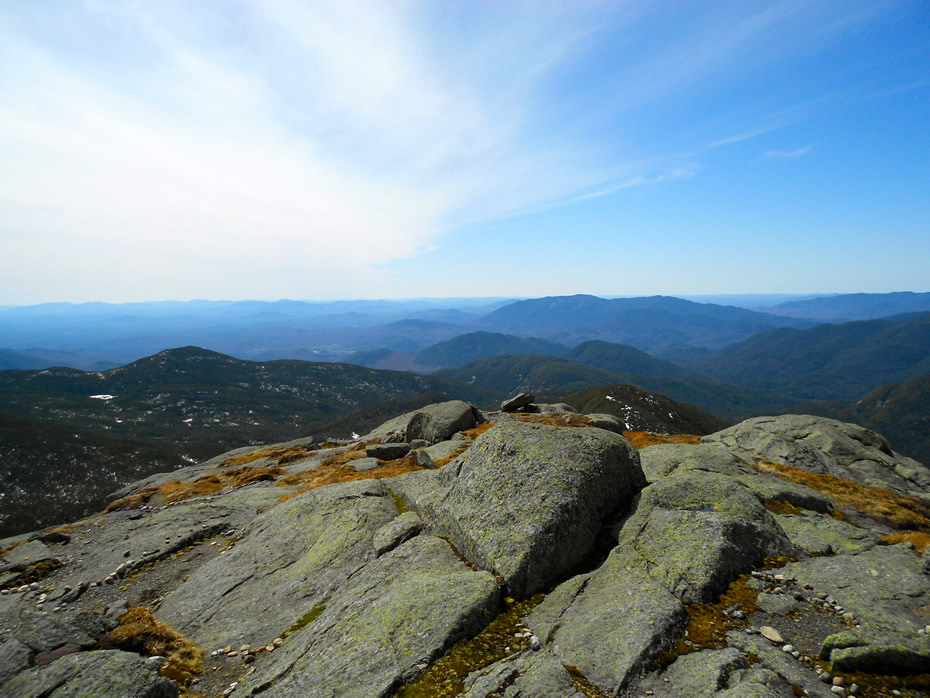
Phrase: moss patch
(899, 511)
(645, 439)
(138, 631)
(496, 642)
(707, 624)
(583, 684)
(305, 620)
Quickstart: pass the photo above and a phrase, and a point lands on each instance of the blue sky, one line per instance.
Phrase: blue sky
(274, 148)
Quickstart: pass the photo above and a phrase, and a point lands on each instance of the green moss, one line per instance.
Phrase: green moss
(583, 684)
(305, 620)
(399, 502)
(33, 573)
(496, 642)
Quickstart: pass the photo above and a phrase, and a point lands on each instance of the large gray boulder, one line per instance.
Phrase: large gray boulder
(699, 530)
(438, 422)
(824, 445)
(102, 673)
(527, 501)
(383, 626)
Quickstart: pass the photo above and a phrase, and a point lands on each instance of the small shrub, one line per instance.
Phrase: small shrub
(138, 631)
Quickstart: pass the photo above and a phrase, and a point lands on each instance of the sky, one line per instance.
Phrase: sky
(265, 149)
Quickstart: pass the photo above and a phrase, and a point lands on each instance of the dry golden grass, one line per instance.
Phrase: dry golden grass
(139, 632)
(280, 455)
(357, 451)
(899, 511)
(330, 474)
(451, 457)
(472, 434)
(920, 539)
(777, 506)
(553, 420)
(644, 439)
(176, 491)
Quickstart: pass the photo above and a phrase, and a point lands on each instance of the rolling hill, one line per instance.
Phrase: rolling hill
(168, 410)
(642, 410)
(828, 362)
(649, 324)
(855, 306)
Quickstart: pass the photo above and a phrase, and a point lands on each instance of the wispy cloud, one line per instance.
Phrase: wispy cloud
(788, 154)
(294, 146)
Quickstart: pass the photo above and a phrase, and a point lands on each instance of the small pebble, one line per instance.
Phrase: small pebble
(245, 648)
(277, 642)
(839, 681)
(269, 648)
(838, 690)
(788, 648)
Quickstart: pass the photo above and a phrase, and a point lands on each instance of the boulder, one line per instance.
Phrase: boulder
(377, 631)
(527, 501)
(440, 421)
(699, 530)
(387, 451)
(530, 675)
(14, 658)
(42, 633)
(824, 445)
(517, 402)
(101, 673)
(605, 421)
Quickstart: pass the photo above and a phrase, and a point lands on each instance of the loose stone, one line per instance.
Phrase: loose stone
(771, 634)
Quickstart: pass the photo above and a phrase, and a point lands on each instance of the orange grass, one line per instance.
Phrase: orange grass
(920, 539)
(139, 632)
(899, 511)
(176, 491)
(644, 439)
(472, 434)
(553, 420)
(330, 474)
(281, 455)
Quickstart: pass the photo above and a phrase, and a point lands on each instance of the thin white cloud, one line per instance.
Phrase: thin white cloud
(275, 147)
(788, 154)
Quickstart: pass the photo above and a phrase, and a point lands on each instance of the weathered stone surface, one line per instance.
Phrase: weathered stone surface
(526, 500)
(696, 674)
(556, 408)
(530, 675)
(387, 451)
(440, 421)
(818, 534)
(825, 446)
(22, 556)
(605, 421)
(363, 465)
(612, 623)
(397, 531)
(102, 673)
(888, 591)
(665, 459)
(14, 658)
(444, 449)
(43, 633)
(400, 611)
(700, 530)
(781, 663)
(290, 560)
(517, 402)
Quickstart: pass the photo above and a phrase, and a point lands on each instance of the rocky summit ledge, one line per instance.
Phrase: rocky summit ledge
(523, 553)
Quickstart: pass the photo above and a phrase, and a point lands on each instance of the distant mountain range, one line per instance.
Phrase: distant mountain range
(97, 336)
(854, 306)
(828, 362)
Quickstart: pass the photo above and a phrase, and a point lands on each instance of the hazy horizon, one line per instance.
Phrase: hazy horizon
(271, 149)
